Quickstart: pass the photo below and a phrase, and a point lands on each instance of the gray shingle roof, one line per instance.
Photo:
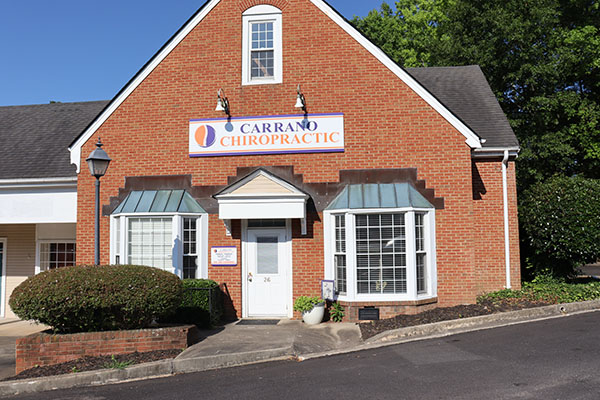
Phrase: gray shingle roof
(34, 139)
(466, 92)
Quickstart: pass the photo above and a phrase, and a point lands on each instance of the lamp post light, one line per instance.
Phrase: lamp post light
(98, 162)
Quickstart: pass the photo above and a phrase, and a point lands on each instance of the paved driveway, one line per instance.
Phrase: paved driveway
(10, 330)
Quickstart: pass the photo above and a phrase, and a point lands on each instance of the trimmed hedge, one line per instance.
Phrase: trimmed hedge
(97, 298)
(196, 302)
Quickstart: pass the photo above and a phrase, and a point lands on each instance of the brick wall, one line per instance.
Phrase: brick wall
(387, 126)
(47, 349)
(489, 216)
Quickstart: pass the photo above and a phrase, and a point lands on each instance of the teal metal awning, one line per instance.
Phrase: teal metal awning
(159, 201)
(379, 195)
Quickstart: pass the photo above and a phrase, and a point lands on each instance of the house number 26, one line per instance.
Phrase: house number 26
(267, 280)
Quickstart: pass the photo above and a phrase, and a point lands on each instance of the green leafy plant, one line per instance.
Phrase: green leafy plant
(306, 303)
(196, 303)
(97, 298)
(560, 219)
(75, 370)
(116, 364)
(336, 312)
(549, 291)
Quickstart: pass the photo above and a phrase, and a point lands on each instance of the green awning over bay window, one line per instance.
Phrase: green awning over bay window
(159, 201)
(379, 195)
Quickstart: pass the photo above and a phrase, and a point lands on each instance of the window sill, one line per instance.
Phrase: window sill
(265, 82)
(378, 302)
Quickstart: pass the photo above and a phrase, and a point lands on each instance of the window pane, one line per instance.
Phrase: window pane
(55, 255)
(150, 242)
(267, 255)
(381, 258)
(261, 65)
(340, 257)
(190, 246)
(421, 281)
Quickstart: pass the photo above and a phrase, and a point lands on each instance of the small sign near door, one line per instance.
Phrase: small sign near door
(223, 256)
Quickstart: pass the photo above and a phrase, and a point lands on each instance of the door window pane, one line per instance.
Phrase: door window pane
(267, 258)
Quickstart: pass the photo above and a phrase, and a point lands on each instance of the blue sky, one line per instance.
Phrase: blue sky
(79, 50)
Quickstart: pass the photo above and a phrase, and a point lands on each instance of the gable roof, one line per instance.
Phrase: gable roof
(35, 138)
(472, 139)
(466, 92)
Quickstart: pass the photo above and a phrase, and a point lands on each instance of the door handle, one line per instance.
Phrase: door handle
(249, 276)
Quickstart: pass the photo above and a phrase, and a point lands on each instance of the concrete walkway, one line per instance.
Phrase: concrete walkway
(292, 338)
(10, 330)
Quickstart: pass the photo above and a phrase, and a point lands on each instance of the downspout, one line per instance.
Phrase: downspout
(506, 233)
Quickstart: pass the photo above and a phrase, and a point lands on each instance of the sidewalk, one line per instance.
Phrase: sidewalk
(243, 343)
(10, 330)
(236, 345)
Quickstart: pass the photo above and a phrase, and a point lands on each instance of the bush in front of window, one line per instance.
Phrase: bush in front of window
(201, 304)
(97, 298)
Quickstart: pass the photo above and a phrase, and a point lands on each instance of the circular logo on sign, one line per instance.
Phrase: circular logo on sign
(205, 136)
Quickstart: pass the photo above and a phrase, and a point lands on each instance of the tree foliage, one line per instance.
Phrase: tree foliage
(541, 57)
(560, 218)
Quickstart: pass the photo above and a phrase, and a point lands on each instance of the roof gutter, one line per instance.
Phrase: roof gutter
(70, 181)
(496, 152)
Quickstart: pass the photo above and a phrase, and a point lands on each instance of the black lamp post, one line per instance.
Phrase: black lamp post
(98, 162)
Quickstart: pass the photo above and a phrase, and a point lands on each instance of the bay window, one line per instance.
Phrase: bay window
(164, 229)
(381, 254)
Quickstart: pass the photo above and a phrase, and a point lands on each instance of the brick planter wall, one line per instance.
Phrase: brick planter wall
(48, 349)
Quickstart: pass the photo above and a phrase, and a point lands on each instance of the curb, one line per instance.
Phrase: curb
(472, 324)
(156, 369)
(164, 368)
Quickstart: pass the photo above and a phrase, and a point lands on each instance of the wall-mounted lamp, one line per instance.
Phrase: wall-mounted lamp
(222, 103)
(300, 100)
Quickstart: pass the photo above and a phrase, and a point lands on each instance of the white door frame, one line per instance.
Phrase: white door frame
(4, 242)
(287, 246)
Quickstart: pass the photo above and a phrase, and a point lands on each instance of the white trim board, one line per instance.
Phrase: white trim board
(471, 138)
(3, 299)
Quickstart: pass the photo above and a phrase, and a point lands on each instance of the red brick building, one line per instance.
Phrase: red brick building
(324, 161)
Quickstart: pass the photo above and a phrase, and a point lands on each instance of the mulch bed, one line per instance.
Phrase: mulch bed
(95, 363)
(485, 307)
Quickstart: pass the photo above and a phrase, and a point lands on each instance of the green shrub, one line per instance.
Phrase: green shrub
(560, 221)
(97, 298)
(549, 291)
(336, 312)
(305, 303)
(196, 302)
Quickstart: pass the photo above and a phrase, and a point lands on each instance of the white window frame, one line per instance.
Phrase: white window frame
(3, 300)
(38, 252)
(256, 14)
(177, 237)
(352, 294)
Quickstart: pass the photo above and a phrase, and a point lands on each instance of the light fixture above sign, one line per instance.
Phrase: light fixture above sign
(222, 102)
(300, 100)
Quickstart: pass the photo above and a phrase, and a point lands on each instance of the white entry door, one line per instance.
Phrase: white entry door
(268, 265)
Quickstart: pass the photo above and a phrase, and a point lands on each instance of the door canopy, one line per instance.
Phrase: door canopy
(262, 195)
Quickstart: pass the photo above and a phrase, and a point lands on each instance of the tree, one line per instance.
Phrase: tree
(560, 218)
(541, 57)
(409, 32)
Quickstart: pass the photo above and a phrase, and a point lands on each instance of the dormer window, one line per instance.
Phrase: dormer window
(261, 46)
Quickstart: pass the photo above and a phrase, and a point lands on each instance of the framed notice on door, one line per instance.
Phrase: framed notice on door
(223, 256)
